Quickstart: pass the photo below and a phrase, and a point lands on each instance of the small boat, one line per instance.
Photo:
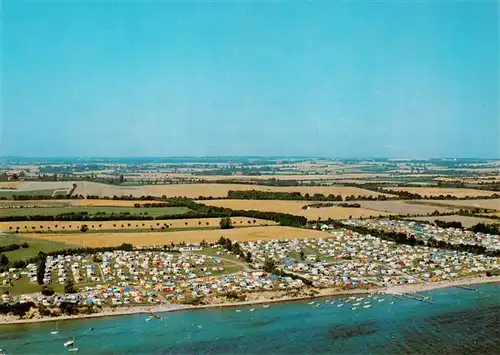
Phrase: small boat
(238, 310)
(340, 305)
(73, 348)
(69, 342)
(360, 299)
(366, 302)
(2, 352)
(356, 304)
(392, 302)
(265, 306)
(149, 318)
(251, 310)
(367, 306)
(354, 308)
(312, 302)
(381, 300)
(54, 332)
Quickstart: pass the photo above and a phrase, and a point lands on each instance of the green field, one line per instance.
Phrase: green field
(53, 211)
(35, 246)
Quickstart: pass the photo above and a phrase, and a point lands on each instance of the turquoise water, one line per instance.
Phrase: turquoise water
(459, 322)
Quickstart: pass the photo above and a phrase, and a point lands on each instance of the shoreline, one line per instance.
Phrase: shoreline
(322, 293)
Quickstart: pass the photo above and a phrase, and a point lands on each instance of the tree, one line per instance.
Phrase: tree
(84, 228)
(236, 249)
(47, 291)
(69, 286)
(302, 255)
(226, 223)
(248, 257)
(3, 260)
(40, 271)
(269, 266)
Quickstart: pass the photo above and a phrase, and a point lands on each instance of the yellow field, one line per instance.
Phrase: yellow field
(44, 226)
(221, 190)
(495, 214)
(295, 208)
(436, 191)
(10, 185)
(403, 207)
(493, 204)
(158, 238)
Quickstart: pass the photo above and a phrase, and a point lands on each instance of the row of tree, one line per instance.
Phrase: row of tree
(322, 205)
(151, 205)
(11, 247)
(235, 248)
(271, 268)
(448, 224)
(275, 195)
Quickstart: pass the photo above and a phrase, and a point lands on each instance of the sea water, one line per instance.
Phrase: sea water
(457, 322)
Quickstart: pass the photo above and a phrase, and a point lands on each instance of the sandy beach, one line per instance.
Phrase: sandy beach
(326, 292)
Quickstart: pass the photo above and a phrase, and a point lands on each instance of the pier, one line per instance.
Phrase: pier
(466, 288)
(416, 297)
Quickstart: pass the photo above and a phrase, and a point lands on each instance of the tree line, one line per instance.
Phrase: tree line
(151, 205)
(235, 249)
(275, 195)
(321, 205)
(271, 268)
(12, 247)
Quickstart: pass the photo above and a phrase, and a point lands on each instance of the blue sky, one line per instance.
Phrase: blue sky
(380, 79)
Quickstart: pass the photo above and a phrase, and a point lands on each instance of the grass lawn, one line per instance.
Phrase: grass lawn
(24, 286)
(21, 286)
(35, 245)
(228, 269)
(53, 211)
(213, 252)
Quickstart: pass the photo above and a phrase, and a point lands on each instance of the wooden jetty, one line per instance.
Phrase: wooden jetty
(466, 288)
